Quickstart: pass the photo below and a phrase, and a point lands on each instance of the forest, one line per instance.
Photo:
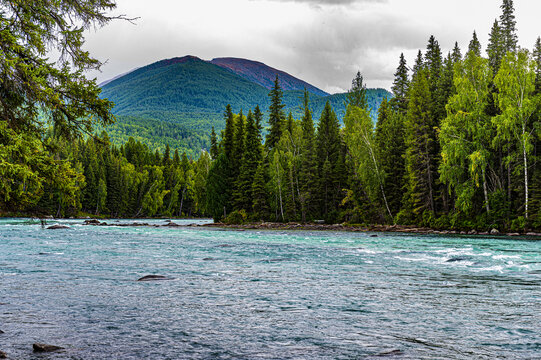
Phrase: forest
(454, 148)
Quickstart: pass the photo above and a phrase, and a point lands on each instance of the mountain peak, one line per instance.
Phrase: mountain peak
(264, 75)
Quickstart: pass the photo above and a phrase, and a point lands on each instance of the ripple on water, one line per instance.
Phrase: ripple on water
(266, 294)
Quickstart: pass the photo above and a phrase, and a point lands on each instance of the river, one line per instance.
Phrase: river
(265, 294)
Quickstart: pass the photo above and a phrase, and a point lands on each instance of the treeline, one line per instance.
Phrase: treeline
(95, 177)
(456, 147)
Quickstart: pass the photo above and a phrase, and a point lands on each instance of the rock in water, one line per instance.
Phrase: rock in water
(45, 347)
(1, 332)
(494, 232)
(154, 278)
(58, 226)
(92, 222)
(3, 355)
(391, 353)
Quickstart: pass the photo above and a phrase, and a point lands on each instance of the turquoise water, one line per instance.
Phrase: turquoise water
(266, 294)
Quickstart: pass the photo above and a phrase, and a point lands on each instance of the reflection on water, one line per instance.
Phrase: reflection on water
(265, 294)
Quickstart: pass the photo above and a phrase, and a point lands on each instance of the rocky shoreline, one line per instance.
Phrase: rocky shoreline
(315, 227)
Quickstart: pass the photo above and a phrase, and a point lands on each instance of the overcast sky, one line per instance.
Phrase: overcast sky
(324, 42)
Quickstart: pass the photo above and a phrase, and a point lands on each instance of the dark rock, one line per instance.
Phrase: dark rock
(391, 353)
(154, 278)
(92, 222)
(58, 226)
(3, 355)
(171, 224)
(374, 235)
(208, 259)
(494, 232)
(45, 347)
(458, 258)
(1, 332)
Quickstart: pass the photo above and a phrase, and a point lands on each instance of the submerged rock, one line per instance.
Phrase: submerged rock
(391, 353)
(46, 347)
(58, 226)
(1, 332)
(3, 355)
(154, 278)
(458, 258)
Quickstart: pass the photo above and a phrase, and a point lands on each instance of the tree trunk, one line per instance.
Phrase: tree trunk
(485, 191)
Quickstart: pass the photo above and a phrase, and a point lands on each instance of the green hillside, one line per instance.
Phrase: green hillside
(177, 101)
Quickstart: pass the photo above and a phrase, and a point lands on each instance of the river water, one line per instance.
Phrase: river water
(266, 294)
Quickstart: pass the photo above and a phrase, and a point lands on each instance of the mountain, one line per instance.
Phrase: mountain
(178, 100)
(264, 75)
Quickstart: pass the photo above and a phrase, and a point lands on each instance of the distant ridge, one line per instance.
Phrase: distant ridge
(264, 75)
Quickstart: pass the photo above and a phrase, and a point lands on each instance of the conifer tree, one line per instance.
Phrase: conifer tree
(258, 117)
(419, 63)
(475, 45)
(276, 115)
(356, 96)
(239, 144)
(259, 193)
(456, 55)
(229, 133)
(508, 26)
(400, 86)
(390, 148)
(308, 167)
(250, 161)
(420, 144)
(328, 150)
(495, 47)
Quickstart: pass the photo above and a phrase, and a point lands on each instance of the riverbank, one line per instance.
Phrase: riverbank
(314, 227)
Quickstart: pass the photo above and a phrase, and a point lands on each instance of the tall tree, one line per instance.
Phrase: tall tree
(276, 115)
(475, 45)
(508, 26)
(495, 48)
(213, 145)
(400, 86)
(356, 96)
(456, 55)
(537, 59)
(308, 165)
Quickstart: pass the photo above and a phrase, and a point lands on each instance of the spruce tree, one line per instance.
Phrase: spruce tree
(420, 144)
(229, 133)
(239, 145)
(419, 63)
(475, 45)
(495, 48)
(276, 115)
(356, 96)
(400, 86)
(308, 166)
(456, 55)
(260, 204)
(328, 150)
(250, 161)
(508, 26)
(390, 148)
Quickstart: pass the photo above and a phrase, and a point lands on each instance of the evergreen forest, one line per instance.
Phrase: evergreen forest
(455, 147)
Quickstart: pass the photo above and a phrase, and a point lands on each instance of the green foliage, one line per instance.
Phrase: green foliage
(237, 217)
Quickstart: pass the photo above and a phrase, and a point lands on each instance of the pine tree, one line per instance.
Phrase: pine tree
(400, 86)
(276, 115)
(495, 48)
(239, 145)
(456, 55)
(419, 64)
(308, 167)
(356, 96)
(250, 161)
(229, 133)
(390, 148)
(475, 45)
(328, 150)
(420, 143)
(508, 26)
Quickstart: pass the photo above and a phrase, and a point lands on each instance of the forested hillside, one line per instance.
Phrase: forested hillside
(188, 95)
